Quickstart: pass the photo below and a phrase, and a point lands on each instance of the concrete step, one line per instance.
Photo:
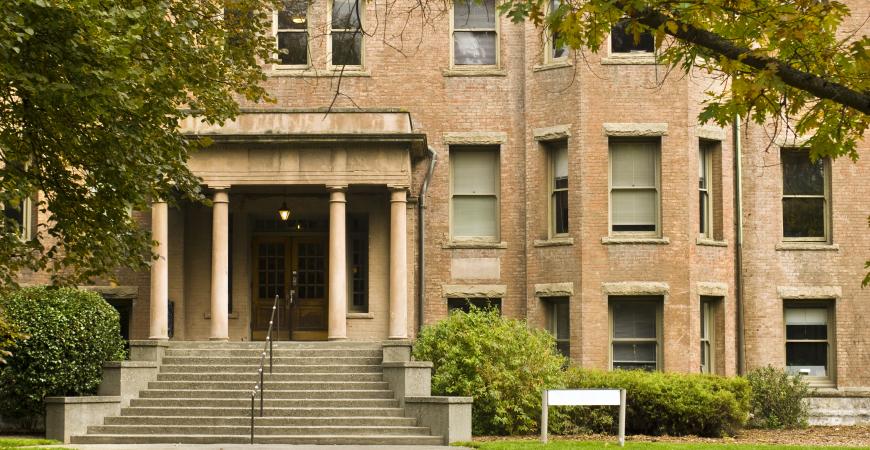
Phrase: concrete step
(260, 430)
(262, 421)
(269, 402)
(259, 439)
(270, 384)
(284, 352)
(311, 394)
(173, 345)
(254, 362)
(838, 417)
(276, 377)
(248, 369)
(270, 411)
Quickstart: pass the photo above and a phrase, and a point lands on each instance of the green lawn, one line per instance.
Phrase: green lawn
(24, 443)
(565, 445)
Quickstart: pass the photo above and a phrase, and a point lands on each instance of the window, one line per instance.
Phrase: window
(554, 48)
(705, 206)
(358, 233)
(558, 323)
(634, 194)
(808, 340)
(465, 304)
(475, 33)
(291, 29)
(707, 347)
(19, 215)
(474, 193)
(346, 35)
(625, 39)
(558, 153)
(805, 197)
(634, 333)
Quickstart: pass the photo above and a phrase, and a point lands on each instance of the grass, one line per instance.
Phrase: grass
(566, 445)
(24, 443)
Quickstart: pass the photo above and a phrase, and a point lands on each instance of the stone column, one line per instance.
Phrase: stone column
(337, 265)
(220, 265)
(398, 264)
(159, 328)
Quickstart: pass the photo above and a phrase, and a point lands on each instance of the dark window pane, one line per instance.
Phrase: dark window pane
(345, 15)
(634, 320)
(803, 217)
(474, 47)
(474, 14)
(464, 304)
(294, 48)
(634, 227)
(800, 176)
(645, 352)
(802, 332)
(294, 16)
(622, 41)
(702, 210)
(812, 356)
(346, 48)
(560, 211)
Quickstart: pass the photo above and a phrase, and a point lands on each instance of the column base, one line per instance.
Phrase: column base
(336, 338)
(398, 338)
(158, 338)
(219, 339)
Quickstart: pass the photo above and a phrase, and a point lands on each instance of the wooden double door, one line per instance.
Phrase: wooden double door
(295, 270)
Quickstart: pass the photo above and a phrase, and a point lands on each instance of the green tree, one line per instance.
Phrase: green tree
(91, 94)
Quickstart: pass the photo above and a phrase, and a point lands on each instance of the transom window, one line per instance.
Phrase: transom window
(634, 191)
(624, 40)
(291, 29)
(808, 341)
(558, 154)
(634, 333)
(805, 196)
(346, 35)
(474, 193)
(475, 34)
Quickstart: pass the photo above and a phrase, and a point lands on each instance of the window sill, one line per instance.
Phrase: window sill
(475, 72)
(474, 244)
(711, 242)
(639, 58)
(232, 315)
(807, 246)
(316, 73)
(552, 65)
(360, 315)
(554, 242)
(620, 240)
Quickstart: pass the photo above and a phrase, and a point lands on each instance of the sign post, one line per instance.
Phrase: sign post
(583, 397)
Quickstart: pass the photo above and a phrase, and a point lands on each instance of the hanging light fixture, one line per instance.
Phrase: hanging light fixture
(283, 211)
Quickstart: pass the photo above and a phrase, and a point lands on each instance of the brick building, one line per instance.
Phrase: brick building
(576, 191)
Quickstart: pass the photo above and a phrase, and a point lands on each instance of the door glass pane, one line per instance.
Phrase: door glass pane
(474, 216)
(634, 320)
(803, 217)
(474, 47)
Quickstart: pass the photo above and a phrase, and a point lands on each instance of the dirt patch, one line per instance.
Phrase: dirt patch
(853, 436)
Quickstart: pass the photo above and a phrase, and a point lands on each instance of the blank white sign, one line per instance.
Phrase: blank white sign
(583, 397)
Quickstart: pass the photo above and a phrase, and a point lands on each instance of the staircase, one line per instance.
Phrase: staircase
(318, 393)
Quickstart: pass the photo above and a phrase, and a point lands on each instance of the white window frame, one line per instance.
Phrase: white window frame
(828, 306)
(360, 4)
(705, 161)
(551, 148)
(658, 197)
(708, 338)
(658, 302)
(549, 41)
(496, 29)
(497, 193)
(307, 31)
(826, 164)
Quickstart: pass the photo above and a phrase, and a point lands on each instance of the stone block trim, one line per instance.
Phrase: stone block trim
(635, 288)
(710, 132)
(712, 289)
(809, 292)
(475, 138)
(554, 289)
(473, 290)
(635, 129)
(553, 133)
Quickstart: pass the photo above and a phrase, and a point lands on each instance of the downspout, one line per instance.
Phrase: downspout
(738, 244)
(421, 238)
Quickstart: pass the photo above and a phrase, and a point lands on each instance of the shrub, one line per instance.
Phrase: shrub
(665, 403)
(500, 362)
(69, 333)
(777, 399)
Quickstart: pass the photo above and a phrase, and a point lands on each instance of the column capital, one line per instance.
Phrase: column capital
(337, 188)
(221, 196)
(398, 195)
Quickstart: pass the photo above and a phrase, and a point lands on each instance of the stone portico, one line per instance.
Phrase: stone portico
(338, 264)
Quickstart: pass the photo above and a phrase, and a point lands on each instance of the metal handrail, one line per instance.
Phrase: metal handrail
(268, 344)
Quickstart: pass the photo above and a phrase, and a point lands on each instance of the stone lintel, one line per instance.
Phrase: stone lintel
(635, 129)
(787, 138)
(473, 290)
(635, 288)
(475, 138)
(553, 133)
(554, 289)
(809, 292)
(711, 132)
(712, 289)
